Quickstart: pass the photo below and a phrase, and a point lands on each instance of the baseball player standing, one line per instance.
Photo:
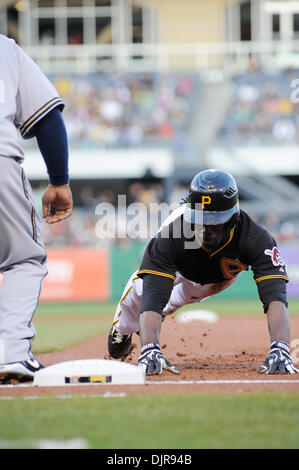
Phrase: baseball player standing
(29, 106)
(200, 251)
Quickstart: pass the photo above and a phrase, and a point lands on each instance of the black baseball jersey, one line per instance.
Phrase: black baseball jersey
(249, 246)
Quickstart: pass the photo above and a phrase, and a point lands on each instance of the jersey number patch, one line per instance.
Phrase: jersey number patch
(231, 267)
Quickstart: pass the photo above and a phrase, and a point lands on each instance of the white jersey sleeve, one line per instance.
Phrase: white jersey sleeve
(36, 95)
(26, 96)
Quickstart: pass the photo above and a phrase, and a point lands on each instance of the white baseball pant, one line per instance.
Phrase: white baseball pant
(126, 318)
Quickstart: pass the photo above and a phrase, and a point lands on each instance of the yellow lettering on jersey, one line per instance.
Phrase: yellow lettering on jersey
(231, 267)
(205, 200)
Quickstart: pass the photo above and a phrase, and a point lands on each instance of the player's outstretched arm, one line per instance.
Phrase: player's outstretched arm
(149, 327)
(278, 360)
(57, 203)
(151, 357)
(52, 140)
(278, 322)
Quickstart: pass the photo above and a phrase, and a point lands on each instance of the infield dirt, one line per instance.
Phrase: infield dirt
(230, 349)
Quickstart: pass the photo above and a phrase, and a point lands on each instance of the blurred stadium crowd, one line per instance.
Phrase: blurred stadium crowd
(104, 110)
(261, 109)
(123, 110)
(116, 110)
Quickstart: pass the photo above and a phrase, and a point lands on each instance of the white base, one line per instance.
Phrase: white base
(89, 372)
(195, 315)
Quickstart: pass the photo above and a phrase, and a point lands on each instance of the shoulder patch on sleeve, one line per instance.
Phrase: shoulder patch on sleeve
(275, 256)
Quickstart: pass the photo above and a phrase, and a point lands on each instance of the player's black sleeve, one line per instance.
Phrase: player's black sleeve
(158, 270)
(156, 293)
(272, 290)
(159, 259)
(268, 268)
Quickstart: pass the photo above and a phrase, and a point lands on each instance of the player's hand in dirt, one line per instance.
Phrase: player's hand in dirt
(57, 203)
(278, 360)
(153, 361)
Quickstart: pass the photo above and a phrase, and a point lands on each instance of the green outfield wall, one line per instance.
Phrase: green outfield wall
(124, 260)
(243, 288)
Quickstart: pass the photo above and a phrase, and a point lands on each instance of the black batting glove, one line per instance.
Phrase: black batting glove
(153, 361)
(278, 360)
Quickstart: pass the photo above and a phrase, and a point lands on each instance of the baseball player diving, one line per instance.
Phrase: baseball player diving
(29, 107)
(199, 251)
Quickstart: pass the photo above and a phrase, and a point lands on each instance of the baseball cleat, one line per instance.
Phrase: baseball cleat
(18, 372)
(119, 346)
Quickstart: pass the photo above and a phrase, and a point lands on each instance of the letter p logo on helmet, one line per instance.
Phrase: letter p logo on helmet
(205, 200)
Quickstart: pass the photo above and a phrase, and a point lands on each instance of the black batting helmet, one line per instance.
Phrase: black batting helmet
(212, 199)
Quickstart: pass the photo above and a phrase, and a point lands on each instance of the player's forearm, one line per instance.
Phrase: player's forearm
(278, 322)
(53, 143)
(149, 327)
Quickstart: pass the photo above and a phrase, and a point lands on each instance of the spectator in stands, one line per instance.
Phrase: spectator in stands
(262, 109)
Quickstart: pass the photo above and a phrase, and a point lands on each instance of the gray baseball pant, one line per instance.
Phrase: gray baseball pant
(22, 262)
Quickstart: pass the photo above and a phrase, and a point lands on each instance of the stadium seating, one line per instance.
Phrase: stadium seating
(114, 110)
(261, 109)
(105, 110)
